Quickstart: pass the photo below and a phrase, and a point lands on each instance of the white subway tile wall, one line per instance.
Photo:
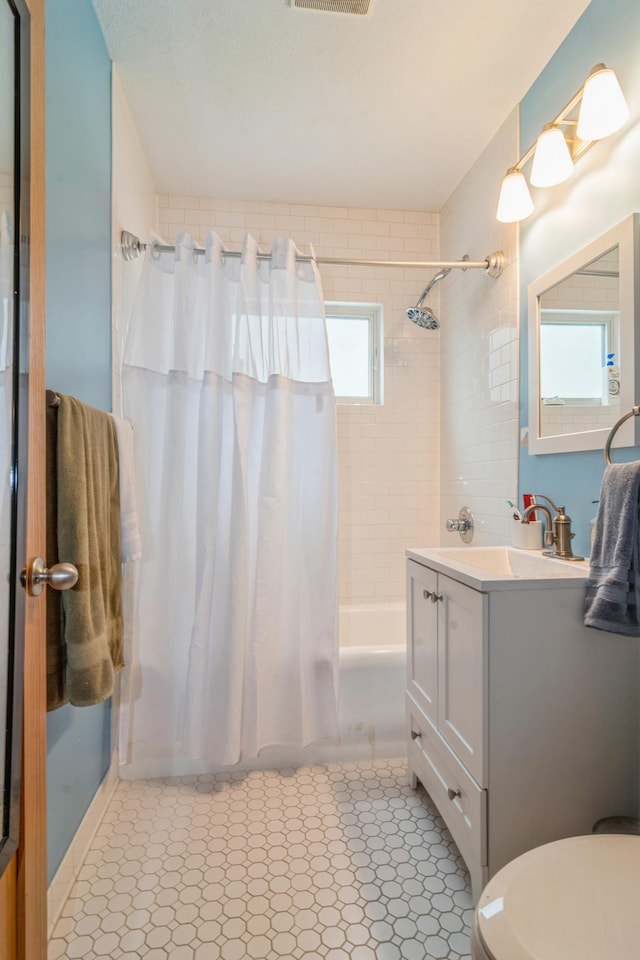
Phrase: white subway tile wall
(134, 201)
(479, 352)
(388, 456)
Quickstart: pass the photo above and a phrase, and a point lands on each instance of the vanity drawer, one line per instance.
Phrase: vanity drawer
(464, 809)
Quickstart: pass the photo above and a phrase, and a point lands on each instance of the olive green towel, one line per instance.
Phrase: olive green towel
(88, 535)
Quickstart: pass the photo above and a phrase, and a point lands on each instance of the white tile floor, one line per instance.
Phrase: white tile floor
(334, 862)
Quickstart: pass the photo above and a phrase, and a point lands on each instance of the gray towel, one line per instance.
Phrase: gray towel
(613, 588)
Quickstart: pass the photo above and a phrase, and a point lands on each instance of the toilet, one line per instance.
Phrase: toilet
(575, 899)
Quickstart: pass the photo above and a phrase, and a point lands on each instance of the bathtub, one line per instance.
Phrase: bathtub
(371, 712)
(371, 705)
(372, 624)
(372, 681)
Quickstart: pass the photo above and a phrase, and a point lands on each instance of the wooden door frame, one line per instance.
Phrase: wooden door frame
(31, 858)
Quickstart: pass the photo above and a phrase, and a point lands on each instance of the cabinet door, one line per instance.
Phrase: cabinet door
(462, 674)
(422, 654)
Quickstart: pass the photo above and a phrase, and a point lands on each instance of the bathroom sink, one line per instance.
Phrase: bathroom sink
(500, 565)
(509, 560)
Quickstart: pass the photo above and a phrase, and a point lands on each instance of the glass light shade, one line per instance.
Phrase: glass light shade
(603, 109)
(552, 161)
(514, 202)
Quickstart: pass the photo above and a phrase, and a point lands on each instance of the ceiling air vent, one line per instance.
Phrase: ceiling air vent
(334, 6)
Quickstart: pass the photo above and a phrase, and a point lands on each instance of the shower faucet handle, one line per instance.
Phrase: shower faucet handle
(454, 526)
(463, 525)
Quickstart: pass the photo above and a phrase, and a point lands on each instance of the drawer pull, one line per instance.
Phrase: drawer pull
(415, 734)
(426, 594)
(435, 597)
(452, 794)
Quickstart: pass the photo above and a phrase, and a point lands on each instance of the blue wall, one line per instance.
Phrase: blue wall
(78, 103)
(604, 189)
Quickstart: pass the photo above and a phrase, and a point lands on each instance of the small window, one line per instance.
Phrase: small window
(355, 350)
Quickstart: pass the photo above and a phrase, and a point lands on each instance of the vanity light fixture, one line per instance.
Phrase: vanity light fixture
(597, 110)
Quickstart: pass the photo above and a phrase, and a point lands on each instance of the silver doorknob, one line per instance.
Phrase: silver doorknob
(61, 576)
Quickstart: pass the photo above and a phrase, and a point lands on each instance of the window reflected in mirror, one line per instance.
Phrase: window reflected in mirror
(580, 349)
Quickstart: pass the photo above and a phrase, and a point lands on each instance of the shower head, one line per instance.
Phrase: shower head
(424, 317)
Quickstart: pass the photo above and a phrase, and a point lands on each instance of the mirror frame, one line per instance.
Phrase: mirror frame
(625, 235)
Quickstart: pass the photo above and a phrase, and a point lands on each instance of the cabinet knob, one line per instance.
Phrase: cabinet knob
(435, 597)
(426, 594)
(452, 794)
(415, 734)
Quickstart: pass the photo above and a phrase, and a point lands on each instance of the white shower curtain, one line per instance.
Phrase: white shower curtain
(226, 380)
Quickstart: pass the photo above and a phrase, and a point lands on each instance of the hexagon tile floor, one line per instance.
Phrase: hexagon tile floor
(334, 862)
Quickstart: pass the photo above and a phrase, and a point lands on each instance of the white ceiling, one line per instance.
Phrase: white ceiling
(256, 100)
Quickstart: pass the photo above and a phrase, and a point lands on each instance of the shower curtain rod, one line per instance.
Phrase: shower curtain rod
(132, 248)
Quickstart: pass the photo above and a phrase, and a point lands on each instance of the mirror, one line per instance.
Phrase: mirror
(582, 371)
(12, 270)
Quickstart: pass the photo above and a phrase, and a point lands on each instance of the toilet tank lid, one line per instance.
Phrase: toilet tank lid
(575, 899)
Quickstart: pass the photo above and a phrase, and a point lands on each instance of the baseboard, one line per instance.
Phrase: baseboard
(66, 874)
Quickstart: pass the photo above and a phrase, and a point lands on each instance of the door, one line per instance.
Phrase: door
(23, 921)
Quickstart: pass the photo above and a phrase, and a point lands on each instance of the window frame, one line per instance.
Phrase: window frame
(373, 312)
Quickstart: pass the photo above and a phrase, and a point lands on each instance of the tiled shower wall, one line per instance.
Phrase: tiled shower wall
(479, 352)
(388, 460)
(134, 206)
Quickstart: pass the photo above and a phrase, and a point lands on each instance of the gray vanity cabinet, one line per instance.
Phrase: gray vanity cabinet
(447, 652)
(523, 725)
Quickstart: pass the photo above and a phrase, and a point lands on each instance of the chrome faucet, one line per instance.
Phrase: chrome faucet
(558, 529)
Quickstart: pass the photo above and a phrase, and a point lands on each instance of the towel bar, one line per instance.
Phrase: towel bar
(634, 412)
(53, 400)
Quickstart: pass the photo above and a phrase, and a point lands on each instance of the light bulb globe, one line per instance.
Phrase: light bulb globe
(603, 109)
(514, 202)
(552, 161)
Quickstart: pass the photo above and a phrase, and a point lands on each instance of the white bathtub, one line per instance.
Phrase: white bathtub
(372, 624)
(372, 681)
(371, 713)
(371, 705)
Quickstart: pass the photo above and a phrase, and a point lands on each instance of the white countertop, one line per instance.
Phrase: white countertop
(502, 568)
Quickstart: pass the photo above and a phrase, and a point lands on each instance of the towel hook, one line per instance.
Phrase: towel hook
(634, 412)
